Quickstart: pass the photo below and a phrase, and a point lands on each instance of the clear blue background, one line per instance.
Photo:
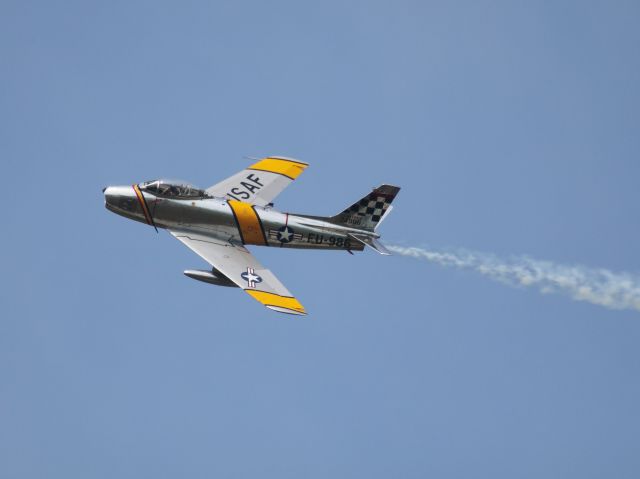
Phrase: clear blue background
(512, 128)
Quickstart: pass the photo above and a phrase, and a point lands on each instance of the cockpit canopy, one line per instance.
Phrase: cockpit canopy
(172, 189)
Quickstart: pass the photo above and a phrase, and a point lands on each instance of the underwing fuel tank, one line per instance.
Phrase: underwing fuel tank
(209, 277)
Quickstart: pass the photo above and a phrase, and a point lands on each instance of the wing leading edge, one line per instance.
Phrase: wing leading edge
(261, 182)
(241, 267)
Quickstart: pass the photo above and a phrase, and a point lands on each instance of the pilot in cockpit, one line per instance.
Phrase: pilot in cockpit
(175, 189)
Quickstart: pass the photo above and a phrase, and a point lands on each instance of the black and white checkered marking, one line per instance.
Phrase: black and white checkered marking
(373, 205)
(251, 277)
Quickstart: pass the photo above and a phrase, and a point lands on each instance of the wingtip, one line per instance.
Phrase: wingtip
(286, 158)
(287, 311)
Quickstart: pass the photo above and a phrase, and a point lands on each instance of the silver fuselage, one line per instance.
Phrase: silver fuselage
(232, 221)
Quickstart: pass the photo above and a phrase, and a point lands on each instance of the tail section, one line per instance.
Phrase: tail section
(368, 213)
(371, 242)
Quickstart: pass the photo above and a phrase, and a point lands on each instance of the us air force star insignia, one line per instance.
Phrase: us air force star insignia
(285, 234)
(251, 277)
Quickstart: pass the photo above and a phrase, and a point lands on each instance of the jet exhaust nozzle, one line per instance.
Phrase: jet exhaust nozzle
(209, 277)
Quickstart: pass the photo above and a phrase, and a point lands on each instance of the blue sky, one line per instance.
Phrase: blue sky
(513, 128)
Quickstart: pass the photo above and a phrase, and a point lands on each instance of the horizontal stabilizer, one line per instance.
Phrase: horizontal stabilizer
(371, 242)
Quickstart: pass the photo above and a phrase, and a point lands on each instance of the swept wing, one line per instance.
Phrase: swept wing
(241, 267)
(261, 182)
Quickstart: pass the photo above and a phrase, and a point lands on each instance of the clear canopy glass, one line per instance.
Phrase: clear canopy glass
(172, 189)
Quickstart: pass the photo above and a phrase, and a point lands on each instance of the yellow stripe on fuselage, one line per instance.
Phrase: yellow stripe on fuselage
(248, 223)
(289, 168)
(143, 204)
(270, 299)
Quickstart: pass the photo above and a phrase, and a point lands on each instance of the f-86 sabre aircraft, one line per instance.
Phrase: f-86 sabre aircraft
(218, 222)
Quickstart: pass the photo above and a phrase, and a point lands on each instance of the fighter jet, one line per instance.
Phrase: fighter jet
(218, 222)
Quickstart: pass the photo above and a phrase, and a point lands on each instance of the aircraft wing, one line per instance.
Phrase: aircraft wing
(261, 182)
(241, 267)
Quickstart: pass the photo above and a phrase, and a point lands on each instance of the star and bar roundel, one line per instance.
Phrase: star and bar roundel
(251, 277)
(284, 234)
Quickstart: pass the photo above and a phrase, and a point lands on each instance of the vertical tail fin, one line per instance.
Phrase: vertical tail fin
(367, 213)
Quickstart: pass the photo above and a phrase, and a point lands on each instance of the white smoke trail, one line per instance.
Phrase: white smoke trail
(598, 286)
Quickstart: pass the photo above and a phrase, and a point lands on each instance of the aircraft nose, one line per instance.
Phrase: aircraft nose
(113, 195)
(108, 197)
(109, 192)
(120, 198)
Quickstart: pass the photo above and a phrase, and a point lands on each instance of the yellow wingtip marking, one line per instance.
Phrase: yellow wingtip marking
(270, 299)
(289, 168)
